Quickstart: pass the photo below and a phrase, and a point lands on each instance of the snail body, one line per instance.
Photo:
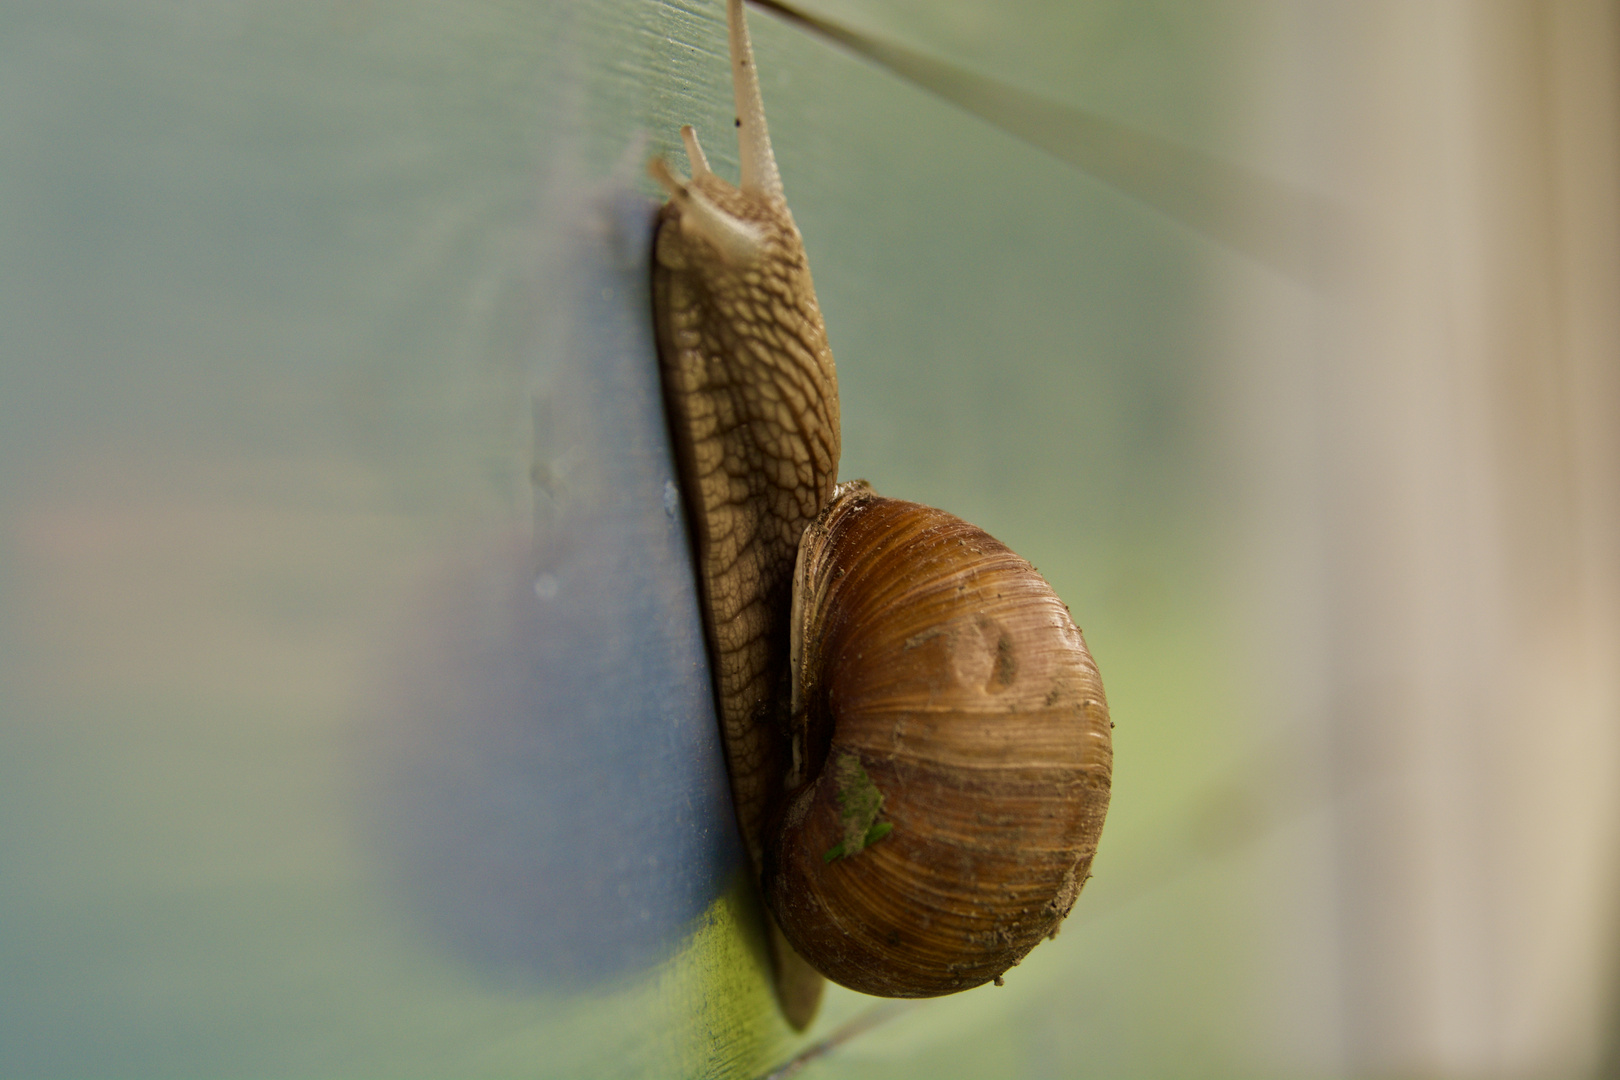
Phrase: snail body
(916, 737)
(752, 397)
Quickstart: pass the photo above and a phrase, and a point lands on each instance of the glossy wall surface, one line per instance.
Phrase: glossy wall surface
(356, 718)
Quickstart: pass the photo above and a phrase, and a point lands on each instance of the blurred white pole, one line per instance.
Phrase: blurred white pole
(1463, 476)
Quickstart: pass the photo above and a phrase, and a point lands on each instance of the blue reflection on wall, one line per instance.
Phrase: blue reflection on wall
(547, 777)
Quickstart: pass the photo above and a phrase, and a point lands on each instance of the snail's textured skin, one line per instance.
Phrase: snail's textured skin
(945, 666)
(753, 402)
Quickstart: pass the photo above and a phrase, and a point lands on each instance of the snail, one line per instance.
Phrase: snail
(916, 735)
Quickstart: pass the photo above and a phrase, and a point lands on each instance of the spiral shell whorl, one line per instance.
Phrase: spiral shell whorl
(949, 714)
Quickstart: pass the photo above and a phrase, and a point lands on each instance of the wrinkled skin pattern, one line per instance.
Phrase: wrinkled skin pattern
(752, 395)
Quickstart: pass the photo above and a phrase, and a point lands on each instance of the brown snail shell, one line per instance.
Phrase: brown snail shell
(952, 753)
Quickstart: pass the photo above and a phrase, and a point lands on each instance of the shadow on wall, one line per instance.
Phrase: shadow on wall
(545, 773)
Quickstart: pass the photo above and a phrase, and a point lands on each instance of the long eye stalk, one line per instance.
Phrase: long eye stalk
(759, 175)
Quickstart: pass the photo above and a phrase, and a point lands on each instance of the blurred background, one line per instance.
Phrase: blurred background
(353, 712)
